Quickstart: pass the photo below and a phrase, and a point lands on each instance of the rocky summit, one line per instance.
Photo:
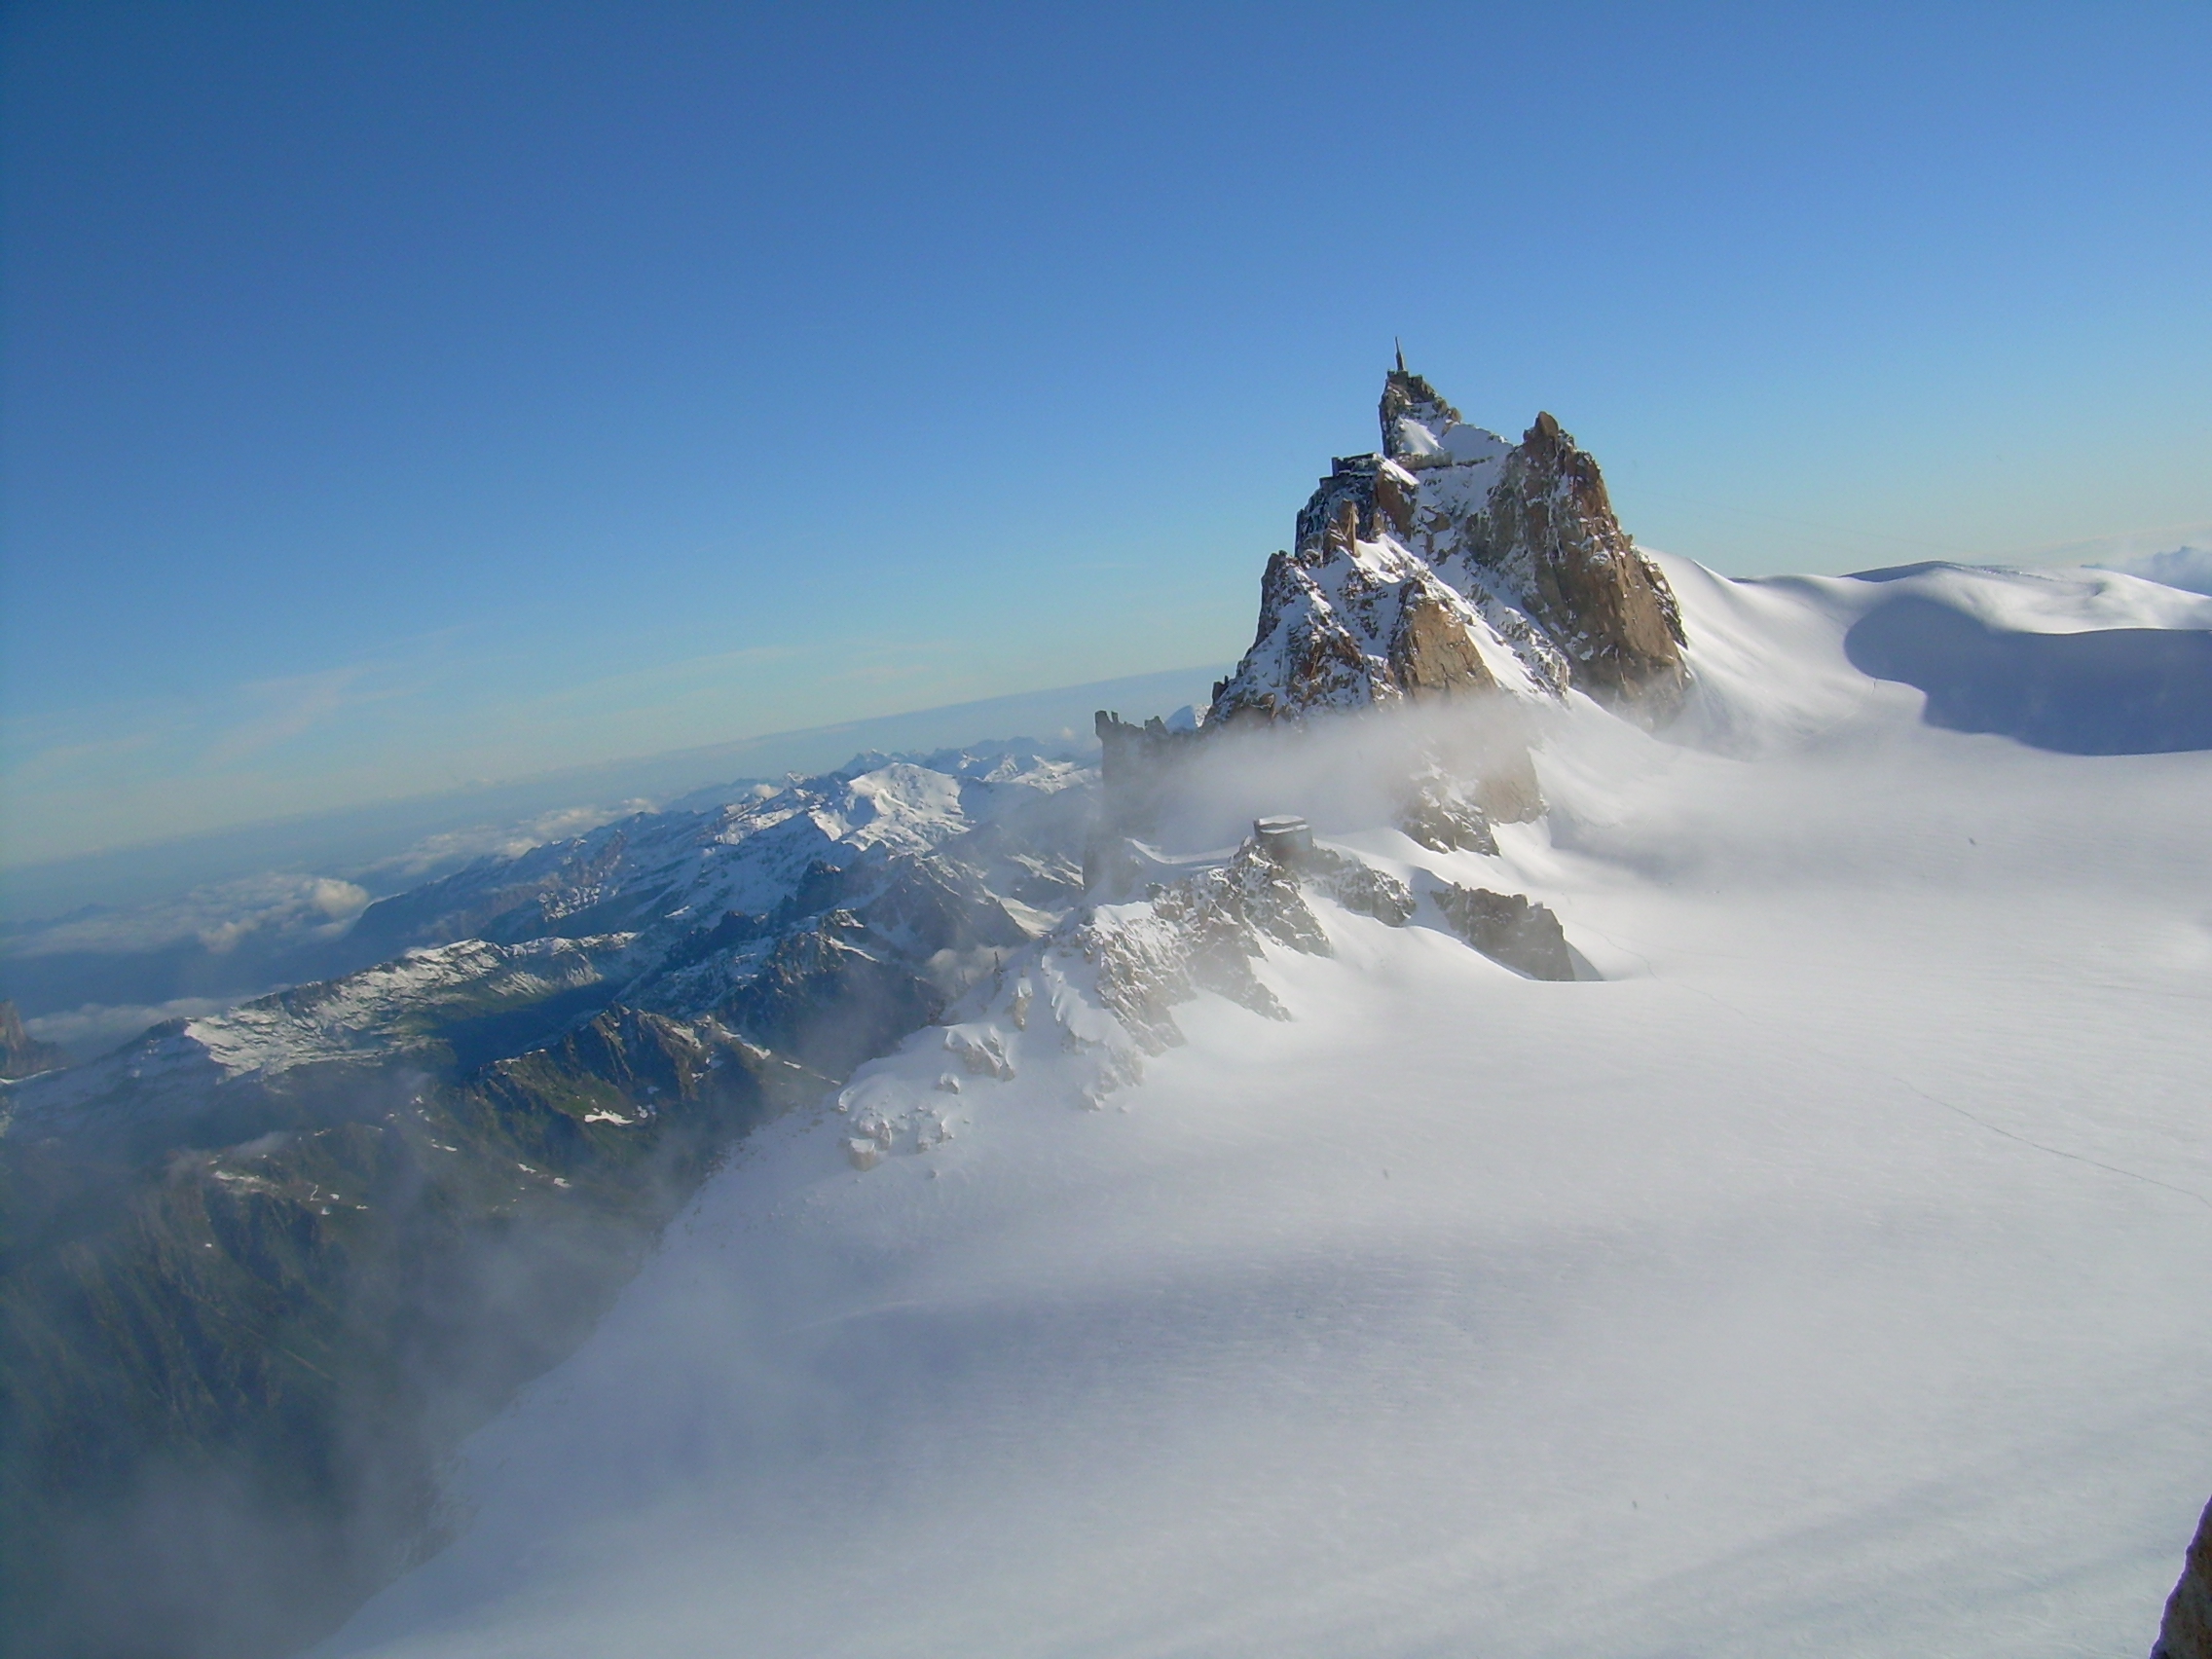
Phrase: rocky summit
(1448, 566)
(1455, 562)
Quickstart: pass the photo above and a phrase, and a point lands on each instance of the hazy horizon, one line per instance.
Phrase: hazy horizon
(347, 839)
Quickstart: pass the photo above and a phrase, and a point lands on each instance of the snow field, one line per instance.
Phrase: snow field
(1832, 1279)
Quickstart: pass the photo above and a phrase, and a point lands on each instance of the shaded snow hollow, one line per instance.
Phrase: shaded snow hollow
(1830, 1280)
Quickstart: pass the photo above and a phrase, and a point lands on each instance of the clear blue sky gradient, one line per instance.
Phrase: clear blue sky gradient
(399, 395)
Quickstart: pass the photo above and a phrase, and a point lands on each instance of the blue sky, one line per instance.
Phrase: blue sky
(400, 397)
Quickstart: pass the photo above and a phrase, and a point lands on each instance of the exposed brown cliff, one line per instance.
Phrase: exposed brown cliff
(1549, 527)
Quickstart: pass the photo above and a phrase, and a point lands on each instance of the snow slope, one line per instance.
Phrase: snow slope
(1832, 1278)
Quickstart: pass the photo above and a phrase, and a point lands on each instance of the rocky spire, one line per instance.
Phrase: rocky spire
(21, 1054)
(1414, 416)
(1454, 562)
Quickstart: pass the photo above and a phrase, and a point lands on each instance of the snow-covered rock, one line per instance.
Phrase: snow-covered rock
(1455, 562)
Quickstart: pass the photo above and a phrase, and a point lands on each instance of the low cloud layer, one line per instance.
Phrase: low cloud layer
(217, 918)
(434, 855)
(95, 1028)
(2187, 567)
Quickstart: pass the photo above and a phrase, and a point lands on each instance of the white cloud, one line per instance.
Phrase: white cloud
(289, 707)
(451, 847)
(219, 917)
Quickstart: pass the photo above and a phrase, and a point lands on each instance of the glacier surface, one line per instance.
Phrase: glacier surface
(1831, 1277)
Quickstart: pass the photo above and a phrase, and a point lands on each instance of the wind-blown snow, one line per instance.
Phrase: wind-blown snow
(2188, 567)
(1832, 1279)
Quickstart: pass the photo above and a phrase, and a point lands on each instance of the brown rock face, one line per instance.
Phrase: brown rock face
(1431, 654)
(1395, 492)
(1548, 528)
(2187, 1632)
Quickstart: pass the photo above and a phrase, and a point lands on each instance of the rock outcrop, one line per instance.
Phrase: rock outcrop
(1352, 619)
(1448, 568)
(1548, 535)
(1139, 765)
(1509, 929)
(1166, 940)
(1452, 563)
(2186, 1630)
(21, 1054)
